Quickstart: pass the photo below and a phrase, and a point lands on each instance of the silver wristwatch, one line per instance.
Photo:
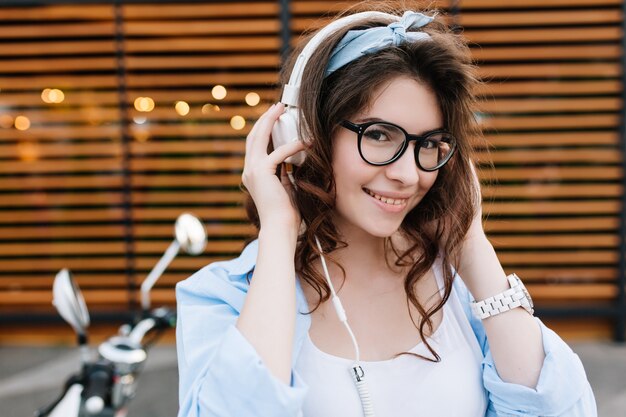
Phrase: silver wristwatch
(516, 296)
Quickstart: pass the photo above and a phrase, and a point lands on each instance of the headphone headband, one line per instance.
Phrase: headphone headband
(292, 88)
(288, 126)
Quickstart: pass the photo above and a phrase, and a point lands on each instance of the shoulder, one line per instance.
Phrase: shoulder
(224, 280)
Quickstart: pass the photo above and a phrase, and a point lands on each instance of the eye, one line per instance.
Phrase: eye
(376, 134)
(430, 144)
(435, 140)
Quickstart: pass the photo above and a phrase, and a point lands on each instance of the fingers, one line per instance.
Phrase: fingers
(283, 152)
(284, 178)
(259, 135)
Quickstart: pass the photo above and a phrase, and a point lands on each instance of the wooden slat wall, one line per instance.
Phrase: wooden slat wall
(193, 162)
(551, 109)
(61, 181)
(550, 106)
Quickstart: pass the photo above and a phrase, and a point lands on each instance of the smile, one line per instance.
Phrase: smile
(387, 200)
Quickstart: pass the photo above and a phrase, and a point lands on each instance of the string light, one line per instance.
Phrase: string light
(22, 123)
(144, 104)
(237, 122)
(141, 135)
(182, 108)
(28, 151)
(6, 121)
(210, 108)
(52, 95)
(219, 92)
(56, 95)
(252, 99)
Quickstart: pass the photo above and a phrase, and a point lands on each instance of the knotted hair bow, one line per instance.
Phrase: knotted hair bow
(357, 43)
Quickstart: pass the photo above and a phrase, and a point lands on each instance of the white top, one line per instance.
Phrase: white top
(406, 385)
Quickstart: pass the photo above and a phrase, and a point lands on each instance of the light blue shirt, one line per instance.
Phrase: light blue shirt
(221, 374)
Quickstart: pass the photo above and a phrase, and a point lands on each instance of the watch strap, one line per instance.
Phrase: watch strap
(516, 296)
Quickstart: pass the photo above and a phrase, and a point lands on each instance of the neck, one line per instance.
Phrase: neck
(365, 254)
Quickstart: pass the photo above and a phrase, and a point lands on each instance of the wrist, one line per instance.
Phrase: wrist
(279, 230)
(480, 269)
(474, 250)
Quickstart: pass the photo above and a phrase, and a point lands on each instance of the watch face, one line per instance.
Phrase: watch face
(526, 293)
(530, 299)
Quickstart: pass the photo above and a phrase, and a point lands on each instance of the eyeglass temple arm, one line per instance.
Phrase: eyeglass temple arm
(351, 126)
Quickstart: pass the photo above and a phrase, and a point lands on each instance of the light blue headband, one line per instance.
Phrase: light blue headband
(357, 43)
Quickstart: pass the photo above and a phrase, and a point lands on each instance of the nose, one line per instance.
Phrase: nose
(404, 169)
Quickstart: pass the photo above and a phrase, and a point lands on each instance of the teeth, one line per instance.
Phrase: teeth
(395, 202)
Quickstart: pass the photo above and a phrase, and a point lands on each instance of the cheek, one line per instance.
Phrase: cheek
(428, 179)
(348, 167)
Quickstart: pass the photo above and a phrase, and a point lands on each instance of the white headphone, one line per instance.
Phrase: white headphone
(286, 128)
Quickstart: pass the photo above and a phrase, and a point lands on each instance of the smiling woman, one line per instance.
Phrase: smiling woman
(397, 187)
(388, 193)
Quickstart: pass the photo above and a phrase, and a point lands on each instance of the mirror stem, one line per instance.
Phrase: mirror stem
(156, 272)
(85, 352)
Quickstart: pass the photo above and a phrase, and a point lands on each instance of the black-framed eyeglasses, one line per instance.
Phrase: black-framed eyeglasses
(381, 143)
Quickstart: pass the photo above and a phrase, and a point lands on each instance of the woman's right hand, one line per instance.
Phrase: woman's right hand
(271, 195)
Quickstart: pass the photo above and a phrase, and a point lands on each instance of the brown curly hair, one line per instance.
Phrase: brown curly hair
(438, 224)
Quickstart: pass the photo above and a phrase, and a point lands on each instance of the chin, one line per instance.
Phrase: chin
(382, 230)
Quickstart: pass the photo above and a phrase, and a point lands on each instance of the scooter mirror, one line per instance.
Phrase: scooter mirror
(69, 301)
(190, 234)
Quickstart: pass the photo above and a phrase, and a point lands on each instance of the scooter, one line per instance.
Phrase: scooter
(107, 381)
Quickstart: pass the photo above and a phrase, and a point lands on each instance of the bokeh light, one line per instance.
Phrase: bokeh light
(237, 122)
(52, 95)
(45, 95)
(144, 104)
(22, 123)
(56, 95)
(141, 135)
(210, 108)
(219, 92)
(182, 108)
(252, 99)
(6, 121)
(28, 151)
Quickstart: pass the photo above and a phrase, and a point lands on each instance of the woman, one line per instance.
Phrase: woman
(387, 194)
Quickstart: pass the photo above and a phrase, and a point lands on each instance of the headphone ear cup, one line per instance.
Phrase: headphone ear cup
(284, 131)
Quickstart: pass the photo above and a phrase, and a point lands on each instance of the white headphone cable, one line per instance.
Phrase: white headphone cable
(356, 370)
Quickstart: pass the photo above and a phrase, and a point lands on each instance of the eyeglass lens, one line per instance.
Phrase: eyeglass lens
(381, 142)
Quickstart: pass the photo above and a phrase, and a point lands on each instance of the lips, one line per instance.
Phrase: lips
(386, 200)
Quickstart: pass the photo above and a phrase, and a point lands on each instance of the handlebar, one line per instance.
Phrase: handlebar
(158, 319)
(99, 378)
(72, 380)
(108, 384)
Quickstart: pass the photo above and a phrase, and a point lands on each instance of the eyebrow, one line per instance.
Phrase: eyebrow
(377, 119)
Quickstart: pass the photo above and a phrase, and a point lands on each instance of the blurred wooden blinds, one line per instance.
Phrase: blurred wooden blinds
(61, 173)
(197, 76)
(210, 70)
(550, 107)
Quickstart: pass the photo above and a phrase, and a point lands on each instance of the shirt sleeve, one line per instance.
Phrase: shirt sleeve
(562, 389)
(220, 372)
